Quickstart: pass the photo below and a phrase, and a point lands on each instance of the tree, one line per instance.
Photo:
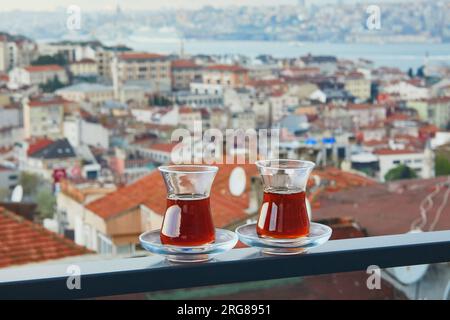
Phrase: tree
(29, 182)
(399, 173)
(58, 59)
(46, 203)
(410, 73)
(442, 165)
(52, 85)
(420, 72)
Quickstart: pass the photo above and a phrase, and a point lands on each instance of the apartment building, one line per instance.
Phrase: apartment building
(183, 73)
(150, 68)
(36, 75)
(43, 116)
(84, 68)
(16, 52)
(366, 114)
(358, 86)
(188, 117)
(434, 110)
(422, 162)
(87, 92)
(233, 76)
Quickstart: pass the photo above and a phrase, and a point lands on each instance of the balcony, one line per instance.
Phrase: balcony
(153, 273)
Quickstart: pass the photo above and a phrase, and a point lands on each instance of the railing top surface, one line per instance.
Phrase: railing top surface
(152, 273)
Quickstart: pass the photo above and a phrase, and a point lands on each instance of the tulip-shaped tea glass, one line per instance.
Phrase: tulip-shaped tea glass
(283, 214)
(188, 220)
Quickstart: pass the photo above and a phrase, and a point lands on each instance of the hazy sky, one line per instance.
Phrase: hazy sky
(128, 4)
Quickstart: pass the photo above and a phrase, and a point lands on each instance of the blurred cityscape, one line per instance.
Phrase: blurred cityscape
(86, 118)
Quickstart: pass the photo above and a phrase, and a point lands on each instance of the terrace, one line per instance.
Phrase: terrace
(147, 274)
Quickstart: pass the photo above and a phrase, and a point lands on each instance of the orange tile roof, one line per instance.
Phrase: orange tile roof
(182, 63)
(46, 101)
(44, 68)
(339, 180)
(22, 241)
(226, 68)
(164, 147)
(363, 106)
(385, 152)
(140, 56)
(151, 192)
(38, 144)
(84, 61)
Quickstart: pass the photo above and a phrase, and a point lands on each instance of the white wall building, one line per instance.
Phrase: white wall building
(207, 88)
(406, 91)
(421, 162)
(79, 131)
(36, 75)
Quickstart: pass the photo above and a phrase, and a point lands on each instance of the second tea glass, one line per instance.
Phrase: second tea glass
(283, 213)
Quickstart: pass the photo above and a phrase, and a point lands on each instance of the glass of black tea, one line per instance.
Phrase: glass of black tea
(283, 213)
(188, 220)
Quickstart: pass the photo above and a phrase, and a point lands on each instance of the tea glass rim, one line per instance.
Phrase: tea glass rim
(183, 168)
(303, 164)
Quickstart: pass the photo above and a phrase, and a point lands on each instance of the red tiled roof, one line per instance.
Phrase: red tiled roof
(363, 106)
(140, 56)
(151, 192)
(22, 241)
(187, 110)
(84, 61)
(430, 128)
(226, 68)
(44, 68)
(37, 145)
(398, 117)
(372, 143)
(4, 77)
(164, 147)
(46, 101)
(384, 209)
(385, 152)
(338, 180)
(182, 63)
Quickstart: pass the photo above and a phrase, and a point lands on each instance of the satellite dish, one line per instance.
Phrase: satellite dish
(17, 194)
(410, 274)
(237, 182)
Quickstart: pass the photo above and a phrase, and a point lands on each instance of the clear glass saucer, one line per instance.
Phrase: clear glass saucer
(225, 241)
(318, 235)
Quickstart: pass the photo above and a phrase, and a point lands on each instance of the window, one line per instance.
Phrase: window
(105, 245)
(396, 162)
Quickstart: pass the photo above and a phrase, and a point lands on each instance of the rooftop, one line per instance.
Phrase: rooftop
(59, 149)
(46, 100)
(128, 56)
(44, 68)
(226, 68)
(22, 241)
(396, 203)
(184, 64)
(151, 192)
(388, 152)
(85, 87)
